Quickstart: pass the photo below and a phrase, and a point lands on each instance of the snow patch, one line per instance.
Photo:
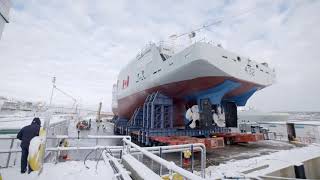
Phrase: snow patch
(72, 170)
(275, 161)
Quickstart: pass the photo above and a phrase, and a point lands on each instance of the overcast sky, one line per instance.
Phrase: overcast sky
(85, 44)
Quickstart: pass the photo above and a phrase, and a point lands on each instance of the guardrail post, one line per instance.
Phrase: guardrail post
(124, 146)
(57, 153)
(192, 158)
(9, 155)
(15, 157)
(160, 154)
(181, 164)
(151, 164)
(170, 174)
(203, 161)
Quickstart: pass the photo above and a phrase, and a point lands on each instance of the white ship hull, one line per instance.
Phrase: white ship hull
(199, 69)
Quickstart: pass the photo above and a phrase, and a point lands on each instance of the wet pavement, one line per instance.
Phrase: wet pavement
(234, 152)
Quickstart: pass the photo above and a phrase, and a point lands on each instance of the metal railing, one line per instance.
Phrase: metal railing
(13, 138)
(127, 147)
(171, 166)
(179, 148)
(89, 137)
(119, 171)
(11, 149)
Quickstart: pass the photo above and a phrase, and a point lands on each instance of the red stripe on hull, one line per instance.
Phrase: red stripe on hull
(177, 91)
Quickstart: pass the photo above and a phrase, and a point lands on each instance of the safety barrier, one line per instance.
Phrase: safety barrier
(171, 166)
(133, 150)
(13, 138)
(119, 171)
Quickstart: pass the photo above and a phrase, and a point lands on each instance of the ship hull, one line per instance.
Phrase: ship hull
(200, 71)
(178, 91)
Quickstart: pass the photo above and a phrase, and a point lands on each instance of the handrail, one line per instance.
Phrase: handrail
(186, 147)
(14, 137)
(119, 168)
(8, 137)
(73, 137)
(112, 149)
(171, 166)
(133, 149)
(89, 137)
(109, 137)
(154, 150)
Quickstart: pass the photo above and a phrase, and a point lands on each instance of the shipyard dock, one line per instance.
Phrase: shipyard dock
(94, 145)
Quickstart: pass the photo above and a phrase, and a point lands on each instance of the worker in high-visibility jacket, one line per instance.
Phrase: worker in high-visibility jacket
(186, 157)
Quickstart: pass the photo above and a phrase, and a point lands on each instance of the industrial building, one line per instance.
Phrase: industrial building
(277, 130)
(306, 132)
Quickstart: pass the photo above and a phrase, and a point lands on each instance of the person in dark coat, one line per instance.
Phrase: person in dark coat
(25, 135)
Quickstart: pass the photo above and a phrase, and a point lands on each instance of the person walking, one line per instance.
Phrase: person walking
(25, 135)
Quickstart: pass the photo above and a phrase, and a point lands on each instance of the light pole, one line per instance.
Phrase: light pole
(53, 86)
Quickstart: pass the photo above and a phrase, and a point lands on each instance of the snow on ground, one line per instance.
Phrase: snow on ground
(17, 121)
(72, 131)
(277, 160)
(12, 114)
(246, 151)
(72, 170)
(277, 143)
